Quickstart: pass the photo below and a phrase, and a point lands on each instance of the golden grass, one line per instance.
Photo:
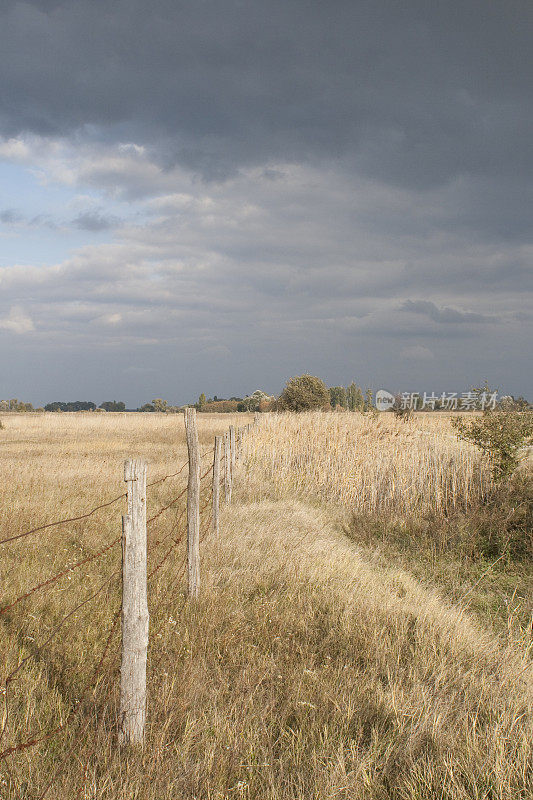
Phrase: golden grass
(304, 672)
(385, 464)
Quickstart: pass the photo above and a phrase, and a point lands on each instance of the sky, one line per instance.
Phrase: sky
(216, 195)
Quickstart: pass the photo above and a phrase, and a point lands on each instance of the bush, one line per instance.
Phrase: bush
(221, 406)
(500, 435)
(304, 393)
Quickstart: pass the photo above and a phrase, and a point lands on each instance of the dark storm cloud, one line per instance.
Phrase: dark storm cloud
(286, 175)
(415, 92)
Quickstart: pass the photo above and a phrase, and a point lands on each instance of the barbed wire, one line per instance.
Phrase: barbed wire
(63, 521)
(61, 574)
(34, 739)
(38, 737)
(96, 508)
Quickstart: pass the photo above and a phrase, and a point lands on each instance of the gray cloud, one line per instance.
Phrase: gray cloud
(449, 316)
(296, 172)
(408, 92)
(10, 216)
(95, 221)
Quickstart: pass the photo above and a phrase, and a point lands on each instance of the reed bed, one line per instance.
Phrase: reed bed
(371, 465)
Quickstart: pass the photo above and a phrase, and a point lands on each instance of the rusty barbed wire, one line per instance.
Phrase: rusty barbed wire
(63, 521)
(34, 739)
(37, 737)
(61, 574)
(95, 509)
(165, 508)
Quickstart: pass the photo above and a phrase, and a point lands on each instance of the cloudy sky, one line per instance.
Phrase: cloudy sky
(214, 195)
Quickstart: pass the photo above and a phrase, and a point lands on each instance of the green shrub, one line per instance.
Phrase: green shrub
(500, 435)
(304, 393)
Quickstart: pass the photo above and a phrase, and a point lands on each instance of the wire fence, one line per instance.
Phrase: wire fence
(101, 684)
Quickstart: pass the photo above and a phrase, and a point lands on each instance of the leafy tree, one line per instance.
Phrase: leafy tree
(338, 397)
(354, 397)
(368, 404)
(304, 393)
(500, 435)
(253, 402)
(159, 404)
(148, 407)
(112, 405)
(201, 402)
(76, 405)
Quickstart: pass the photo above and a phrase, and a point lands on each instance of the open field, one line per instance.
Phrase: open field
(312, 667)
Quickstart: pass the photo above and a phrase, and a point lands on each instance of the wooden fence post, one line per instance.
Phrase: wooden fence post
(193, 504)
(135, 619)
(227, 469)
(239, 444)
(232, 448)
(216, 485)
(256, 418)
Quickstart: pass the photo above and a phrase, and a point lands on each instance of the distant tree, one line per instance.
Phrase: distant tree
(509, 403)
(201, 402)
(253, 401)
(15, 405)
(113, 405)
(368, 402)
(354, 397)
(221, 406)
(76, 405)
(338, 397)
(159, 404)
(147, 407)
(304, 393)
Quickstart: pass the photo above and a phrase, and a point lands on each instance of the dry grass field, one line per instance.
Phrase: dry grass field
(312, 667)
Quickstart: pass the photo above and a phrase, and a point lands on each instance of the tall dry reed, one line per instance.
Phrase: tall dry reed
(370, 464)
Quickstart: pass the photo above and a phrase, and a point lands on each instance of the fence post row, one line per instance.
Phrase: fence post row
(216, 485)
(193, 504)
(135, 619)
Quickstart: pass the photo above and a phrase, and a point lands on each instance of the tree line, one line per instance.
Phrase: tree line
(301, 393)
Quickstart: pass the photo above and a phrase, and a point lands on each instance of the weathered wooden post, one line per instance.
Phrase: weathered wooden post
(135, 619)
(193, 504)
(256, 418)
(216, 485)
(232, 449)
(227, 468)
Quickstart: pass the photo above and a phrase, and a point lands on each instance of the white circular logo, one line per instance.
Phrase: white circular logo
(384, 400)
